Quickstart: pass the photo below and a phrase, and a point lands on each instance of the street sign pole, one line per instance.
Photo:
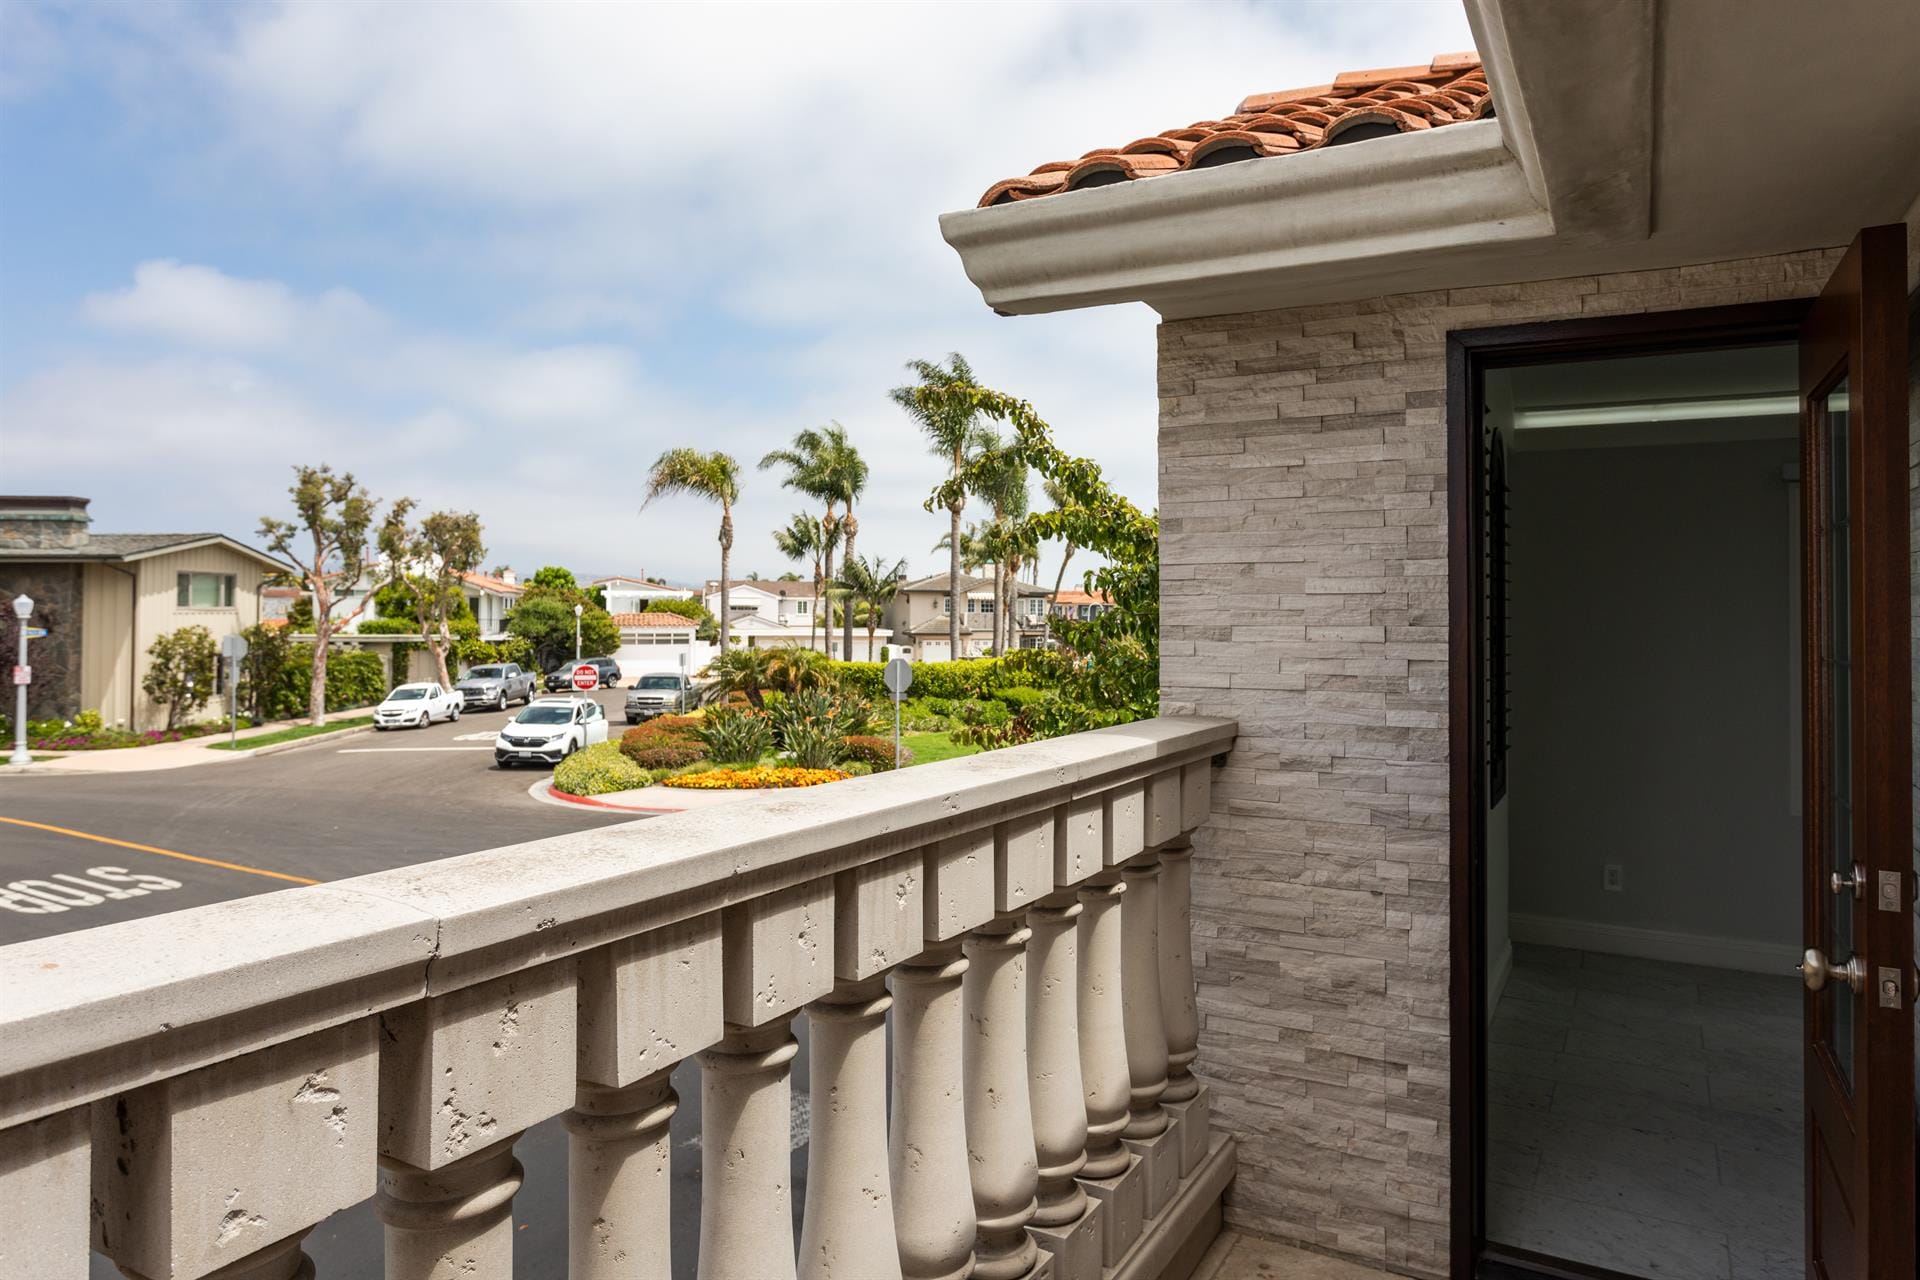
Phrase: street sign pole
(898, 677)
(22, 673)
(233, 648)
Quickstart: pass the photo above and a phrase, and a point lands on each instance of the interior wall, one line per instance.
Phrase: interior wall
(1651, 702)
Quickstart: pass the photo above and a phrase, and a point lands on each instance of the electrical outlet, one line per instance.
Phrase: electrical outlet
(1613, 877)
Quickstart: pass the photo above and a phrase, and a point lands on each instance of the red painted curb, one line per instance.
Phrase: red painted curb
(591, 803)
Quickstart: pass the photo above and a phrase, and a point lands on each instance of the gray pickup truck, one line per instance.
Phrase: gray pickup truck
(660, 694)
(495, 685)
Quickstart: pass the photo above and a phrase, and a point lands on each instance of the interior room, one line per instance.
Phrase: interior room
(1643, 911)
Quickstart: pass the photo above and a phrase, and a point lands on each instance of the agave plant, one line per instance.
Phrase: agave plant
(735, 735)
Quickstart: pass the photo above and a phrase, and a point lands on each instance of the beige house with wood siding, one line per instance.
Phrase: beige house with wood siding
(104, 598)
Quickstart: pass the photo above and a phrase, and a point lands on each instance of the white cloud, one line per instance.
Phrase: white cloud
(203, 306)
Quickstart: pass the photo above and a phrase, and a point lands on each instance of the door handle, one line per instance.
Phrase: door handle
(1855, 879)
(1817, 971)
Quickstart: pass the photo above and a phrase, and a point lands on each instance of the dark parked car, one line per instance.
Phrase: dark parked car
(495, 685)
(659, 694)
(561, 677)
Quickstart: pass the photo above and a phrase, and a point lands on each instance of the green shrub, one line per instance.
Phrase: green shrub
(812, 726)
(598, 770)
(736, 735)
(666, 755)
(1020, 696)
(984, 714)
(876, 753)
(965, 678)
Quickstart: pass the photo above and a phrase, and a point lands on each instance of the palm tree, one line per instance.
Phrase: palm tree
(942, 406)
(1058, 497)
(747, 672)
(809, 537)
(714, 476)
(1000, 479)
(977, 551)
(822, 463)
(872, 583)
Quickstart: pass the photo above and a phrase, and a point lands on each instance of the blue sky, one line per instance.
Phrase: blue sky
(496, 257)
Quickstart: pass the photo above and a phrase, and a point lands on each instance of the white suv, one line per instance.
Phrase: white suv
(549, 730)
(416, 706)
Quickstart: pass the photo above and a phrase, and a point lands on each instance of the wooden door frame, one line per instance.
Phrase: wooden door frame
(1470, 354)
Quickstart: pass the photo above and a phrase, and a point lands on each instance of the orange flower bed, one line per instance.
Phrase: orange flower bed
(753, 779)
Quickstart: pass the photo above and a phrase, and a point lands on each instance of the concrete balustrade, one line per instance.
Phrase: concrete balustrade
(192, 1095)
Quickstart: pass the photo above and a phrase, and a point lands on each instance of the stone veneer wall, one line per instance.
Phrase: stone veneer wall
(55, 591)
(1304, 592)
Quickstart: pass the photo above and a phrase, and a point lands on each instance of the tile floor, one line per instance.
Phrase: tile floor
(1645, 1116)
(1241, 1257)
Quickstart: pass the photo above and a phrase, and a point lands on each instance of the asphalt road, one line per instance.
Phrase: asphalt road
(326, 812)
(370, 802)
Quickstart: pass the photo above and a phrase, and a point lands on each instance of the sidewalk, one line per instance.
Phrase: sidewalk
(179, 755)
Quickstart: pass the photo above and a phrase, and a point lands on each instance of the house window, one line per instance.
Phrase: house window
(203, 590)
(986, 606)
(946, 605)
(800, 606)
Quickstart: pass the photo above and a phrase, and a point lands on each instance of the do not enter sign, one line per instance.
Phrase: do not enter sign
(586, 677)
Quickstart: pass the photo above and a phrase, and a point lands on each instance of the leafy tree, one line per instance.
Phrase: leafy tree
(1115, 672)
(544, 619)
(806, 536)
(870, 583)
(713, 476)
(269, 650)
(598, 595)
(1058, 497)
(432, 560)
(949, 419)
(180, 671)
(554, 578)
(335, 517)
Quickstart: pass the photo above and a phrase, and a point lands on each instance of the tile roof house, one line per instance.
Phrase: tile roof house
(920, 610)
(1484, 385)
(104, 598)
(491, 597)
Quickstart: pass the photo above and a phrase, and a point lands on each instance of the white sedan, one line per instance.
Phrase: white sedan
(415, 706)
(550, 730)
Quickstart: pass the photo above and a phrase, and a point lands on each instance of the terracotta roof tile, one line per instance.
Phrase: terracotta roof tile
(678, 622)
(1358, 104)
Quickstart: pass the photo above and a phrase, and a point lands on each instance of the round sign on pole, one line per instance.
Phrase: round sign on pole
(586, 677)
(898, 676)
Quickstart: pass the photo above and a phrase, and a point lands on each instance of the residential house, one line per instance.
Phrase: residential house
(768, 613)
(920, 610)
(104, 598)
(1535, 490)
(1079, 606)
(659, 642)
(491, 597)
(629, 594)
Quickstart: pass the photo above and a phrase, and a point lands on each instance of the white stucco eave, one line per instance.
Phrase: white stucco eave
(1177, 239)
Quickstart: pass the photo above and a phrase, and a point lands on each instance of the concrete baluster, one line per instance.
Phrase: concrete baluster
(223, 1170)
(1176, 970)
(1146, 1131)
(453, 1221)
(44, 1183)
(620, 1180)
(1064, 1222)
(847, 1229)
(1109, 1175)
(999, 1115)
(646, 1002)
(746, 1141)
(462, 1075)
(932, 1194)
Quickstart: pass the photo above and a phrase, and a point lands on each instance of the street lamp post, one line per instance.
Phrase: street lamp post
(22, 610)
(577, 611)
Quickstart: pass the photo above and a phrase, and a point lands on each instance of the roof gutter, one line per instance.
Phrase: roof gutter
(1184, 236)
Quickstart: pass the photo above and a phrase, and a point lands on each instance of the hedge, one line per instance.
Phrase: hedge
(355, 678)
(964, 678)
(597, 770)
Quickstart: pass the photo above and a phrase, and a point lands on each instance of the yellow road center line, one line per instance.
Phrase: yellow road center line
(165, 853)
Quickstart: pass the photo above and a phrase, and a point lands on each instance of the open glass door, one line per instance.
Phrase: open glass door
(1859, 967)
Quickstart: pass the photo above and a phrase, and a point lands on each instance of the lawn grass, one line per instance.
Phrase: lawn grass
(928, 747)
(291, 735)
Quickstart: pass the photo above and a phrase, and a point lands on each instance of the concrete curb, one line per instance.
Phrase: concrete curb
(548, 793)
